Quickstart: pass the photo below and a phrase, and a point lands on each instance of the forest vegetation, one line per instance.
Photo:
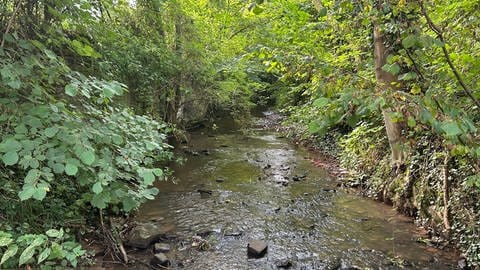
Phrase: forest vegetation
(92, 90)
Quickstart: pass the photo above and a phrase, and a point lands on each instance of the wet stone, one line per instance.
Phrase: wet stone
(297, 178)
(205, 192)
(220, 180)
(206, 152)
(160, 259)
(161, 248)
(257, 248)
(143, 235)
(284, 264)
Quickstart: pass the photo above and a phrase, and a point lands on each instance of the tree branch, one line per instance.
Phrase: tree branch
(439, 33)
(9, 25)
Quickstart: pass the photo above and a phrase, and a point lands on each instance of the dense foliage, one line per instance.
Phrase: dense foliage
(90, 90)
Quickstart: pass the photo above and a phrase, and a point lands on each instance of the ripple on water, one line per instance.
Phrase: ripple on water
(302, 221)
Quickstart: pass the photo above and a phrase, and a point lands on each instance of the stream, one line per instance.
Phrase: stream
(234, 188)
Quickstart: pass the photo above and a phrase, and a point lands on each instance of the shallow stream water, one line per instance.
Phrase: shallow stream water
(309, 223)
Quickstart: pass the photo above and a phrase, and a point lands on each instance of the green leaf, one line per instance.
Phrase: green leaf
(58, 168)
(87, 157)
(407, 76)
(129, 204)
(44, 255)
(409, 41)
(411, 122)
(158, 172)
(257, 10)
(314, 127)
(32, 176)
(322, 12)
(71, 90)
(21, 129)
(321, 102)
(391, 68)
(51, 132)
(451, 129)
(97, 188)
(55, 233)
(117, 139)
(26, 193)
(27, 254)
(40, 193)
(10, 145)
(99, 201)
(5, 239)
(10, 158)
(147, 175)
(151, 146)
(11, 251)
(71, 169)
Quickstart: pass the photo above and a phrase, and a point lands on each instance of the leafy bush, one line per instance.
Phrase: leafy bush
(46, 248)
(63, 145)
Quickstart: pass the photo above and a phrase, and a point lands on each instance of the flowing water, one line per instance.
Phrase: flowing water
(309, 223)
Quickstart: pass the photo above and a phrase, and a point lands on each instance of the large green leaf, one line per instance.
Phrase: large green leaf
(55, 233)
(321, 102)
(9, 253)
(71, 90)
(10, 158)
(51, 131)
(71, 169)
(9, 145)
(97, 188)
(44, 255)
(451, 129)
(409, 41)
(27, 254)
(87, 157)
(5, 239)
(26, 193)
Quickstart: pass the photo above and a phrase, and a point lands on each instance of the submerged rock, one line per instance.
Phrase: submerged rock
(160, 259)
(143, 235)
(257, 248)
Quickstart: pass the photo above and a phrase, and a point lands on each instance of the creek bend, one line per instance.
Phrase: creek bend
(306, 221)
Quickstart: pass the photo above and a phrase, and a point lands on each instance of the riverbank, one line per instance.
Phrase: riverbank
(362, 157)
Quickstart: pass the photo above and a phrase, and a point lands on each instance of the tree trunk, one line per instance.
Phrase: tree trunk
(176, 97)
(386, 82)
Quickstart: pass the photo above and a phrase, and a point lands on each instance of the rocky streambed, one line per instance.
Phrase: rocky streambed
(257, 202)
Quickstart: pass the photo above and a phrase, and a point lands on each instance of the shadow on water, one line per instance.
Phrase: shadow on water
(265, 188)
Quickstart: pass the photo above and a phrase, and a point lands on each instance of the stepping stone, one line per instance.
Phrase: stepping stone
(257, 248)
(160, 259)
(161, 248)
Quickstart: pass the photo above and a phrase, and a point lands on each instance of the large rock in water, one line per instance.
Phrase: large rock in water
(145, 234)
(257, 248)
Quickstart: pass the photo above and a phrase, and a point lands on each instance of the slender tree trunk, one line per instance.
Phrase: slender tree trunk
(386, 82)
(176, 97)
